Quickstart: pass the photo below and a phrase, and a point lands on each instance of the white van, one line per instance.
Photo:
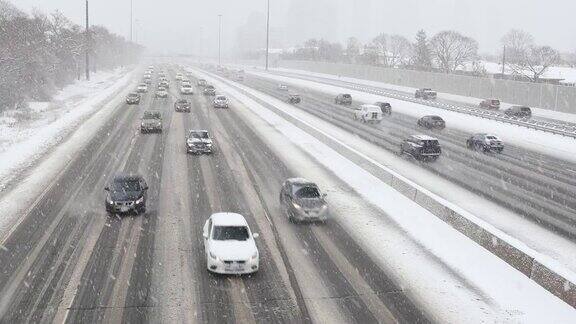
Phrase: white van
(368, 113)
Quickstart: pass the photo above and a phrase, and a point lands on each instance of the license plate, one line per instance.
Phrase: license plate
(124, 209)
(233, 268)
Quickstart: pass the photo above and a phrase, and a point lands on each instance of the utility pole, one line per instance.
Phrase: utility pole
(87, 45)
(131, 20)
(267, 32)
(219, 38)
(503, 60)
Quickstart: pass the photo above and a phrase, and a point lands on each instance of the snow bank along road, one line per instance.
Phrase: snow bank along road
(66, 261)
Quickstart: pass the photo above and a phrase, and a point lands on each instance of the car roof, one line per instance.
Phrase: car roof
(301, 181)
(127, 177)
(424, 138)
(370, 106)
(198, 130)
(228, 219)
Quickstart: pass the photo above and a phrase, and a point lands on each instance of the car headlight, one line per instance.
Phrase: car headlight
(140, 200)
(296, 206)
(208, 144)
(324, 207)
(213, 256)
(109, 199)
(255, 255)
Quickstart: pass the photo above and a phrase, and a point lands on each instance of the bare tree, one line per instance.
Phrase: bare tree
(526, 59)
(352, 49)
(399, 51)
(452, 50)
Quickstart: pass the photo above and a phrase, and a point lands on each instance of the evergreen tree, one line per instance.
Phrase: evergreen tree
(422, 58)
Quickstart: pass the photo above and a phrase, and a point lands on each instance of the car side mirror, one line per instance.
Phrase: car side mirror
(255, 235)
(145, 187)
(107, 188)
(324, 195)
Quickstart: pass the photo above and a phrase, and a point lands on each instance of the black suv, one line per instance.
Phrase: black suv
(425, 93)
(182, 105)
(518, 111)
(126, 193)
(302, 201)
(421, 147)
(385, 107)
(432, 122)
(343, 99)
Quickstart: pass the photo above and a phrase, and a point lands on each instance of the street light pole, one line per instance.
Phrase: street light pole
(87, 44)
(131, 20)
(267, 32)
(219, 38)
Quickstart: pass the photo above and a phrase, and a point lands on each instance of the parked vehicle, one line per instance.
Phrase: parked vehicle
(199, 141)
(518, 111)
(485, 143)
(301, 200)
(368, 114)
(385, 107)
(425, 93)
(432, 122)
(421, 147)
(229, 244)
(125, 194)
(151, 121)
(343, 99)
(490, 104)
(182, 105)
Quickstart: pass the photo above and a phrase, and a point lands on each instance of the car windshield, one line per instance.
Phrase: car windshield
(124, 185)
(346, 96)
(234, 233)
(199, 134)
(152, 115)
(491, 137)
(428, 143)
(307, 192)
(220, 98)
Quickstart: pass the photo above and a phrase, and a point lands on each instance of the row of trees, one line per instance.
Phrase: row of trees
(447, 51)
(40, 53)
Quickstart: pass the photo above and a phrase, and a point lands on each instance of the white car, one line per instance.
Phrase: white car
(179, 76)
(282, 87)
(368, 113)
(161, 93)
(186, 89)
(220, 101)
(142, 87)
(229, 245)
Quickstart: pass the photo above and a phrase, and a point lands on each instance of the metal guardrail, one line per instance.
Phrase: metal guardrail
(559, 128)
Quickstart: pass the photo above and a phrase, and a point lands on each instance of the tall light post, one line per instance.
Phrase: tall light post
(219, 39)
(131, 21)
(87, 45)
(267, 32)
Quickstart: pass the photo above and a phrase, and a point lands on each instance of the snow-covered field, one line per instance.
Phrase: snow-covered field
(27, 135)
(554, 145)
(449, 274)
(53, 137)
(557, 72)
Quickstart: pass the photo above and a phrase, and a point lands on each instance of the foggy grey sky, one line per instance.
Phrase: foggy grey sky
(185, 25)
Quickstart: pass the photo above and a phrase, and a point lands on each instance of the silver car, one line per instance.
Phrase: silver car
(302, 201)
